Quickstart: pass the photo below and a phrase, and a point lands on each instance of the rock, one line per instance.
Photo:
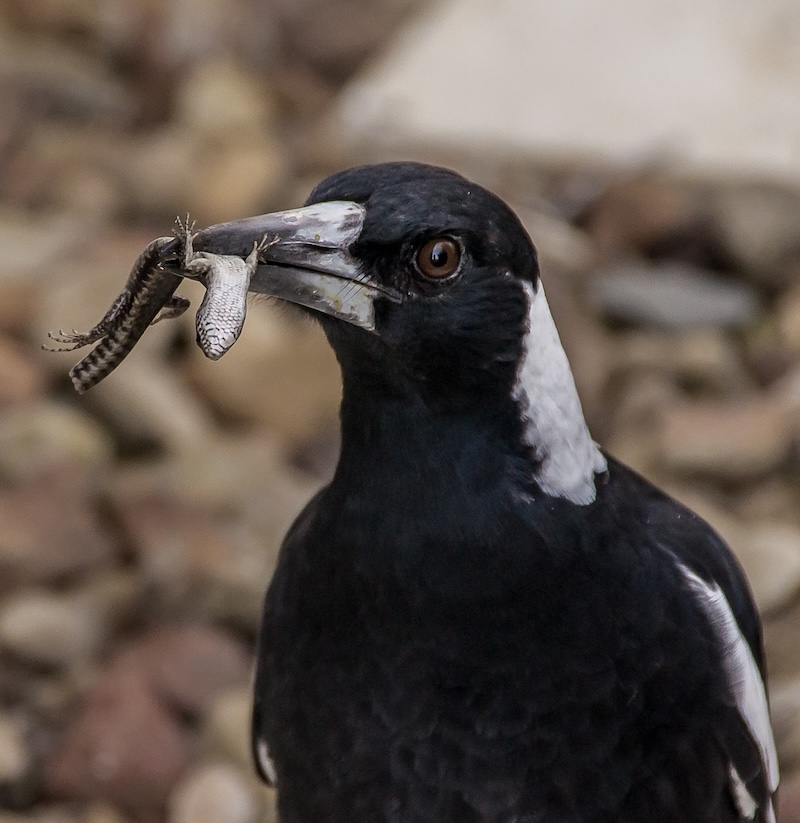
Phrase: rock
(91, 192)
(31, 245)
(68, 82)
(114, 594)
(18, 298)
(37, 438)
(673, 296)
(771, 558)
(68, 629)
(730, 442)
(49, 530)
(281, 373)
(637, 215)
(21, 377)
(558, 244)
(158, 169)
(206, 525)
(226, 727)
(789, 320)
(190, 31)
(220, 564)
(219, 98)
(639, 407)
(40, 814)
(336, 36)
(188, 666)
(102, 813)
(240, 177)
(214, 793)
(149, 404)
(50, 629)
(246, 475)
(730, 107)
(784, 704)
(71, 168)
(774, 500)
(704, 361)
(15, 757)
(758, 223)
(780, 642)
(124, 748)
(789, 799)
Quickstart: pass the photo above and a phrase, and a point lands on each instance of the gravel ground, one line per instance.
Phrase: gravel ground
(139, 524)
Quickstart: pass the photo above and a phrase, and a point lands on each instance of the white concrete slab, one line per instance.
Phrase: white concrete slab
(709, 86)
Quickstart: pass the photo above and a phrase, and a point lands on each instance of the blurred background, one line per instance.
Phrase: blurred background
(653, 151)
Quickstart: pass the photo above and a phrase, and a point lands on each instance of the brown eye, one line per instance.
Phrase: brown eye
(439, 258)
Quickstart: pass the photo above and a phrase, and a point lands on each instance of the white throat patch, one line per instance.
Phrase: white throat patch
(554, 422)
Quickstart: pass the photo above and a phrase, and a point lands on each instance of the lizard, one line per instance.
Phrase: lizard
(148, 297)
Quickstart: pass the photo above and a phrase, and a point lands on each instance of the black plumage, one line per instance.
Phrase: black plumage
(458, 632)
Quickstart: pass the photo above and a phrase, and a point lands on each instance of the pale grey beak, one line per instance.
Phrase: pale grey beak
(305, 258)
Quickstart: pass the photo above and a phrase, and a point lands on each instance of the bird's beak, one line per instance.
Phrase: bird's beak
(305, 258)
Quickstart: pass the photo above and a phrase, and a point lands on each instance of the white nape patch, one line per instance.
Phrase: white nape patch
(265, 761)
(743, 674)
(745, 803)
(555, 426)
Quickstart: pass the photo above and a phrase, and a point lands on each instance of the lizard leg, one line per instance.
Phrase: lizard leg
(76, 340)
(174, 307)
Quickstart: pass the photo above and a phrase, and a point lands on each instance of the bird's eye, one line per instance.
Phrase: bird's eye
(439, 258)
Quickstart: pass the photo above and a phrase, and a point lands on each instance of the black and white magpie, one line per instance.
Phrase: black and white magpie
(484, 617)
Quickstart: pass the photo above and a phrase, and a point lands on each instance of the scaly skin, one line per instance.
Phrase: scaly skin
(148, 290)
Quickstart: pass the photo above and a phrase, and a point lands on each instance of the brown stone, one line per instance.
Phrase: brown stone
(219, 563)
(50, 629)
(759, 223)
(188, 666)
(21, 377)
(124, 747)
(281, 373)
(48, 436)
(789, 320)
(219, 98)
(15, 756)
(729, 441)
(226, 726)
(784, 698)
(215, 793)
(241, 176)
(780, 642)
(49, 530)
(789, 798)
(640, 213)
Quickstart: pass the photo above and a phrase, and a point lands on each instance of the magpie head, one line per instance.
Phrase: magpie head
(427, 285)
(443, 263)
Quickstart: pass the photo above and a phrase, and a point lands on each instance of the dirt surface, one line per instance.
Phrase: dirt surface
(139, 524)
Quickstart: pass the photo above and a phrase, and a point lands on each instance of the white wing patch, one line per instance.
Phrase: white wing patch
(265, 761)
(746, 684)
(554, 422)
(745, 803)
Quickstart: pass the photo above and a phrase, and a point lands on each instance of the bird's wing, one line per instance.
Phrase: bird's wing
(713, 577)
(754, 780)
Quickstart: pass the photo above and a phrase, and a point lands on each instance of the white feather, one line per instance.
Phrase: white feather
(555, 426)
(265, 761)
(744, 800)
(744, 678)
